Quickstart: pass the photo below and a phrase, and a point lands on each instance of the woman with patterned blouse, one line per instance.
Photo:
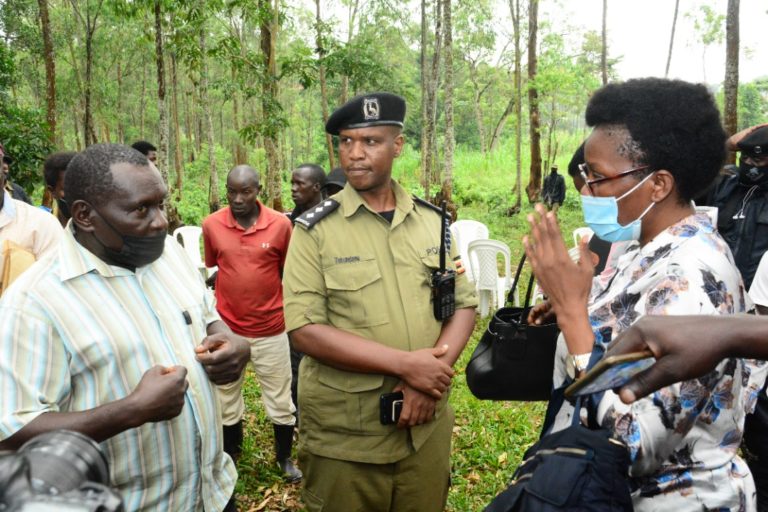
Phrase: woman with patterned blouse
(655, 144)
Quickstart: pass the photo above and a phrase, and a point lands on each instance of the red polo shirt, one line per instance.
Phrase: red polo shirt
(249, 292)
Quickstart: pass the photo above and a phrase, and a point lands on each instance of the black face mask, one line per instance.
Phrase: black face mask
(137, 251)
(64, 207)
(751, 175)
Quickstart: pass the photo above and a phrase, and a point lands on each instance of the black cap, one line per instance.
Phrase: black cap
(756, 143)
(375, 109)
(336, 177)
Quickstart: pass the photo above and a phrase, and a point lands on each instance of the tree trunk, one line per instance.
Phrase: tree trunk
(731, 86)
(671, 38)
(450, 142)
(353, 8)
(240, 156)
(177, 160)
(269, 101)
(534, 183)
(604, 48)
(188, 124)
(143, 101)
(88, 128)
(477, 94)
(162, 108)
(50, 71)
(213, 176)
(500, 125)
(119, 114)
(514, 8)
(429, 98)
(89, 23)
(50, 81)
(76, 129)
(424, 71)
(323, 88)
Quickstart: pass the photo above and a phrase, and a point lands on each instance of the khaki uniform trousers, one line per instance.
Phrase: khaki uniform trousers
(271, 360)
(418, 483)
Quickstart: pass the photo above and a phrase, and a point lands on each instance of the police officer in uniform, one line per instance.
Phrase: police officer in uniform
(742, 202)
(358, 304)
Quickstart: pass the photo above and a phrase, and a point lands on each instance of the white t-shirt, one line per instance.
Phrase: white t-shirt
(758, 292)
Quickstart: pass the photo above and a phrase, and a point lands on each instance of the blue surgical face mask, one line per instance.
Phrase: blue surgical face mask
(602, 215)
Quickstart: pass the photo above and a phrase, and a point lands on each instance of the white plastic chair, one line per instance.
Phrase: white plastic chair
(189, 238)
(464, 232)
(492, 288)
(580, 233)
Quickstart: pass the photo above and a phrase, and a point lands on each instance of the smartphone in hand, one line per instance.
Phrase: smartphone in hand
(610, 373)
(390, 406)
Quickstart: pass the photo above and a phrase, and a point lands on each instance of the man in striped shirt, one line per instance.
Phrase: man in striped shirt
(118, 338)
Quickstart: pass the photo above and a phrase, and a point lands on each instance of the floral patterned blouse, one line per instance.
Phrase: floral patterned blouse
(682, 439)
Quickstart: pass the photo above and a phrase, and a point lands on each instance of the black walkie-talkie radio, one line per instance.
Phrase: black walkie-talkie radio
(443, 279)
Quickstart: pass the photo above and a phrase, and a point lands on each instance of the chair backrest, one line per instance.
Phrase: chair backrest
(189, 238)
(580, 233)
(483, 255)
(464, 232)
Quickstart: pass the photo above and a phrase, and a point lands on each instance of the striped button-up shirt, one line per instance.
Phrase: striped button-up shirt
(76, 333)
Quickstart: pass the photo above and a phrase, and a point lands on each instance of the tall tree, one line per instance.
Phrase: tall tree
(731, 85)
(268, 14)
(89, 21)
(353, 8)
(672, 38)
(534, 181)
(323, 88)
(514, 6)
(604, 53)
(178, 163)
(446, 189)
(429, 78)
(50, 69)
(162, 108)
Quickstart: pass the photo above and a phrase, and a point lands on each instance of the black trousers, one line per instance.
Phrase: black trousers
(756, 449)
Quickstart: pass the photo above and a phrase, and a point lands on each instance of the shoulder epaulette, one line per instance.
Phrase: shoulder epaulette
(309, 218)
(424, 202)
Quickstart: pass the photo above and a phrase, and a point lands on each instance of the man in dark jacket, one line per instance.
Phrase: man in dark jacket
(742, 201)
(554, 190)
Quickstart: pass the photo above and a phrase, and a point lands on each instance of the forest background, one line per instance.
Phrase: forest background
(496, 91)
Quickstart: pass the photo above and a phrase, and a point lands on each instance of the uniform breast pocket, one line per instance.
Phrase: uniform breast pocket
(356, 294)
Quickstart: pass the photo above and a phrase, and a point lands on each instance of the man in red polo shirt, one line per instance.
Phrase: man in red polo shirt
(248, 242)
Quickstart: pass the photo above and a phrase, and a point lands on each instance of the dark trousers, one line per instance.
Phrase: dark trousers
(296, 357)
(756, 449)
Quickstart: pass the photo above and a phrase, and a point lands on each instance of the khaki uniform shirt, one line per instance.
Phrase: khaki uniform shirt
(355, 271)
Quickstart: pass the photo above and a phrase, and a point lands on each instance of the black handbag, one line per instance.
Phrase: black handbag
(577, 469)
(514, 360)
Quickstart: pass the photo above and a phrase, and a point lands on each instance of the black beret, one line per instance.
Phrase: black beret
(375, 109)
(756, 143)
(336, 177)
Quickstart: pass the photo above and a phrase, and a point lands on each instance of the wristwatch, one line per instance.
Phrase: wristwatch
(576, 363)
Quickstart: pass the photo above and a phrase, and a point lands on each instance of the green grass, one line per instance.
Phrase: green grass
(489, 438)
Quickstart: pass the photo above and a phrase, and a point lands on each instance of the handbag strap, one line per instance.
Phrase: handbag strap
(528, 292)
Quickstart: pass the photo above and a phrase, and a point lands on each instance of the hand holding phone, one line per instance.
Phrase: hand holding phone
(610, 373)
(390, 407)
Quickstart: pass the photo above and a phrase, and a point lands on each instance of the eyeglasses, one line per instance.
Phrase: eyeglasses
(584, 171)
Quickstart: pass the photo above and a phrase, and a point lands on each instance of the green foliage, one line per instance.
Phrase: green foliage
(23, 131)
